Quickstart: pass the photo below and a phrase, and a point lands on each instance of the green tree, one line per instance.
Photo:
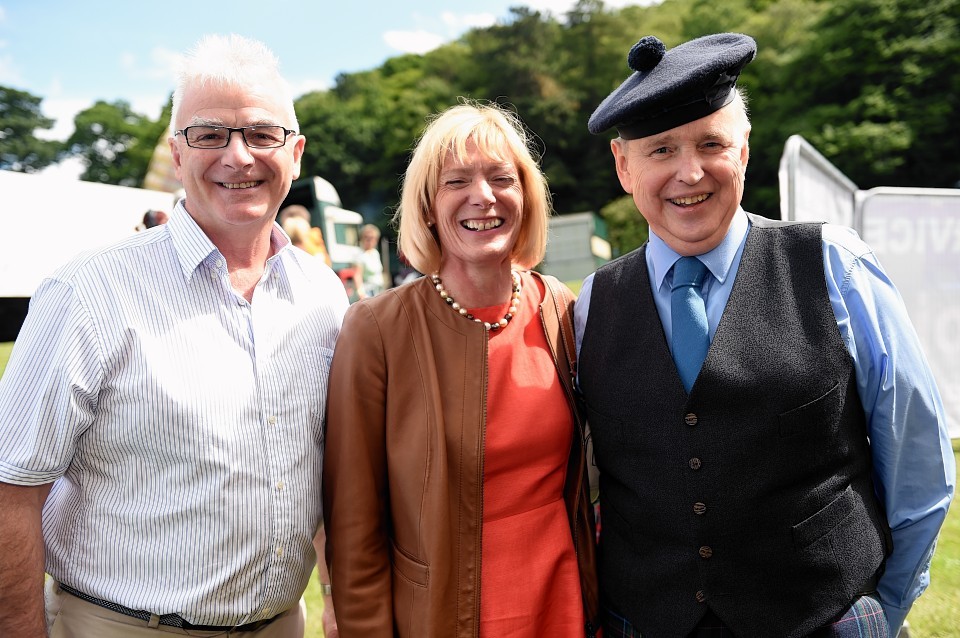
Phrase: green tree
(590, 62)
(871, 83)
(626, 227)
(554, 74)
(20, 118)
(115, 143)
(543, 70)
(882, 91)
(783, 31)
(340, 140)
(360, 132)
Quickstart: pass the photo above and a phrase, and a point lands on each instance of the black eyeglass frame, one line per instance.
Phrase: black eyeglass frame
(231, 130)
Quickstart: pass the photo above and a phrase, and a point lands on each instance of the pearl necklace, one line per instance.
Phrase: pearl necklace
(498, 325)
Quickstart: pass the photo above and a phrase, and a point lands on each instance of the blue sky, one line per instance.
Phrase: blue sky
(72, 53)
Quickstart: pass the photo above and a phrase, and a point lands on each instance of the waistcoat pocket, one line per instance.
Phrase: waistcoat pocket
(823, 522)
(814, 417)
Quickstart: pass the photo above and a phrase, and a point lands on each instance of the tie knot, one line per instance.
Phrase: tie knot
(688, 271)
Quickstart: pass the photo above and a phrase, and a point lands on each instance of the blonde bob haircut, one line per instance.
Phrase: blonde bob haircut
(500, 136)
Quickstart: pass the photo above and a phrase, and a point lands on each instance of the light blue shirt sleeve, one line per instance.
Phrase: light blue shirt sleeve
(913, 461)
(580, 310)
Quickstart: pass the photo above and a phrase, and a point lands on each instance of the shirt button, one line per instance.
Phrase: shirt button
(701, 596)
(699, 509)
(695, 463)
(706, 551)
(690, 419)
(272, 420)
(280, 485)
(279, 551)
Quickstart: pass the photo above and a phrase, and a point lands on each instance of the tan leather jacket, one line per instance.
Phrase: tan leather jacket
(403, 468)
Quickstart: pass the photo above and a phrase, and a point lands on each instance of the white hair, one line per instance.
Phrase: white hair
(232, 61)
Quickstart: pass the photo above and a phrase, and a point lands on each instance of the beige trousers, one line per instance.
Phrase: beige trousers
(70, 617)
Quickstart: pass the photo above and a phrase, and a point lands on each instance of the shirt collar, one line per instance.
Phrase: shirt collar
(193, 246)
(718, 261)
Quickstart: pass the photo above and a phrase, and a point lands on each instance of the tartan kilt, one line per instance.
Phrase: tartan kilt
(864, 619)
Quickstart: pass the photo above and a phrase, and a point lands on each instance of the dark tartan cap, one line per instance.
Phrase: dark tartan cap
(671, 88)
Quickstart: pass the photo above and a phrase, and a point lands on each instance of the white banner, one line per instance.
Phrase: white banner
(915, 233)
(813, 189)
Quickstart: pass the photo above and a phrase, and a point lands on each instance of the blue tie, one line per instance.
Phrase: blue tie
(689, 318)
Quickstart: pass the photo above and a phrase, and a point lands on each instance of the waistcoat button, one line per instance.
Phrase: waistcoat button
(690, 419)
(706, 551)
(699, 508)
(695, 463)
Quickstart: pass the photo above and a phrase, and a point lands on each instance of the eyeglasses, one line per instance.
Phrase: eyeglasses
(219, 136)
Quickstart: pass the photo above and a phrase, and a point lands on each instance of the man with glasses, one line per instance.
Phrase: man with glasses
(161, 414)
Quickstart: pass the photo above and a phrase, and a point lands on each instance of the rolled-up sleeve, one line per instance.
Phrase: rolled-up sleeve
(49, 390)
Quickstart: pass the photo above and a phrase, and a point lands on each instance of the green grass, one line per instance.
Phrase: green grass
(314, 600)
(935, 615)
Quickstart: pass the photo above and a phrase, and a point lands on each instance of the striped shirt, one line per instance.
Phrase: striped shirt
(183, 426)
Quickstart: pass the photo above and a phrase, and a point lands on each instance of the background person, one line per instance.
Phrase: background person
(298, 230)
(370, 265)
(295, 221)
(162, 409)
(455, 494)
(152, 218)
(791, 479)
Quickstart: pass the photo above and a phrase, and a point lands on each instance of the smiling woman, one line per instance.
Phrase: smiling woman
(462, 462)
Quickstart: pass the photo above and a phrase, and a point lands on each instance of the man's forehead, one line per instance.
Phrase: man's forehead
(707, 128)
(214, 120)
(233, 106)
(229, 94)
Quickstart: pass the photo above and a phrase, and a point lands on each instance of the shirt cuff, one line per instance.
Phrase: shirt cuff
(895, 617)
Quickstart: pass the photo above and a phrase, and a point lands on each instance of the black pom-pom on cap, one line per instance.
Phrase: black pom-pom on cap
(646, 54)
(670, 88)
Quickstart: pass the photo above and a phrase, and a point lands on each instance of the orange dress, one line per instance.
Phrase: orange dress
(530, 585)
